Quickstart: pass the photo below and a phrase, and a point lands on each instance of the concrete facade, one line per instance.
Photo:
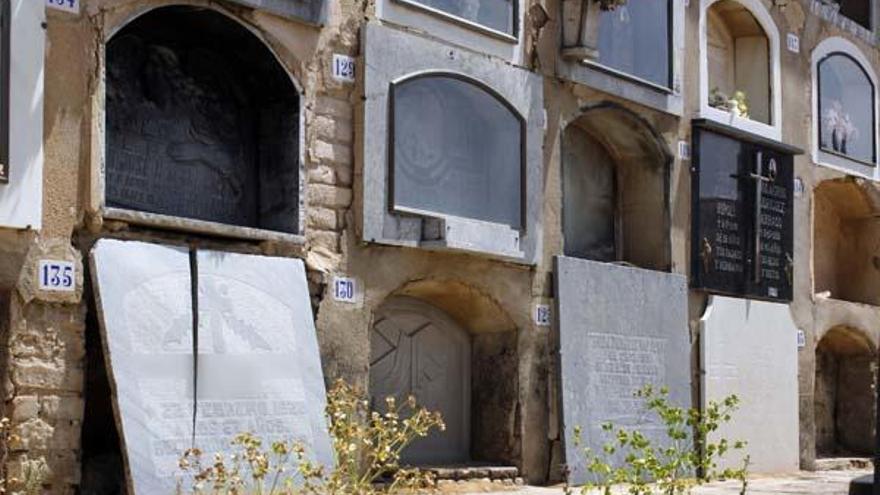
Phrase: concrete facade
(50, 337)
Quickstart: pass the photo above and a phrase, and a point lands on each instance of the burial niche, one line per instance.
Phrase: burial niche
(738, 53)
(844, 397)
(461, 366)
(457, 150)
(614, 189)
(202, 122)
(846, 109)
(845, 235)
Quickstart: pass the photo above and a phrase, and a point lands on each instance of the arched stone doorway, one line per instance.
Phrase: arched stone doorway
(614, 189)
(417, 349)
(844, 397)
(454, 348)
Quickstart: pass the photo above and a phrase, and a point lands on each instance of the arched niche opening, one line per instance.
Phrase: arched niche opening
(846, 231)
(738, 52)
(859, 11)
(202, 122)
(455, 350)
(614, 189)
(844, 397)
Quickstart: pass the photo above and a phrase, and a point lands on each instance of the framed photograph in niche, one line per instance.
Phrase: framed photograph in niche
(846, 109)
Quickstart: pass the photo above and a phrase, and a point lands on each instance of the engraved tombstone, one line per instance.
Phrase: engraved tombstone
(253, 366)
(202, 122)
(620, 328)
(742, 214)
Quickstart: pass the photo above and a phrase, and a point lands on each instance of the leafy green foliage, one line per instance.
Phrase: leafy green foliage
(670, 468)
(367, 446)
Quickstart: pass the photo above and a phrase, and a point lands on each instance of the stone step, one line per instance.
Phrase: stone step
(473, 472)
(843, 463)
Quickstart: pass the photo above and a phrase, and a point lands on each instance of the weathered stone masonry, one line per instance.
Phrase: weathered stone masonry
(50, 351)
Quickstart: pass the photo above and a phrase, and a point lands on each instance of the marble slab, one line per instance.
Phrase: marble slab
(258, 366)
(620, 328)
(749, 348)
(143, 298)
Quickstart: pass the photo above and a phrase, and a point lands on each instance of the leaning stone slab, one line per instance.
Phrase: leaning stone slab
(620, 328)
(143, 299)
(257, 368)
(259, 364)
(749, 348)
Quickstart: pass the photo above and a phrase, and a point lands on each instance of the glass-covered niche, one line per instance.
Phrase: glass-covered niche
(636, 38)
(457, 149)
(497, 15)
(846, 109)
(738, 53)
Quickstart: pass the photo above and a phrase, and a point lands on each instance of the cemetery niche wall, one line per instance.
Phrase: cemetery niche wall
(203, 345)
(620, 328)
(742, 230)
(202, 123)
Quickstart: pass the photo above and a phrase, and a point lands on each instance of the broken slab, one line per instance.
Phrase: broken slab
(620, 328)
(258, 369)
(749, 348)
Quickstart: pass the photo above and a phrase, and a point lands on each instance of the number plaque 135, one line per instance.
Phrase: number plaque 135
(57, 275)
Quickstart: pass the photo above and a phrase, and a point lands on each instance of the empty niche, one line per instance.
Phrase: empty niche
(846, 236)
(454, 350)
(202, 122)
(844, 400)
(738, 52)
(614, 189)
(857, 10)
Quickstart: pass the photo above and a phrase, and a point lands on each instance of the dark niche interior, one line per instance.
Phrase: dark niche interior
(202, 122)
(844, 396)
(614, 180)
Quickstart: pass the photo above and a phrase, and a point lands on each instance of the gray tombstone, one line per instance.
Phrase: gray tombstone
(258, 367)
(620, 328)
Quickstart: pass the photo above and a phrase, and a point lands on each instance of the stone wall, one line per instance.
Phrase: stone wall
(45, 356)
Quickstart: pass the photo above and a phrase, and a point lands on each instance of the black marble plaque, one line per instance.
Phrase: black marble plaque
(742, 242)
(202, 122)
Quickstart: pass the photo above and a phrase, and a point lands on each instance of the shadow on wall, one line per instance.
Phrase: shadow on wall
(846, 372)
